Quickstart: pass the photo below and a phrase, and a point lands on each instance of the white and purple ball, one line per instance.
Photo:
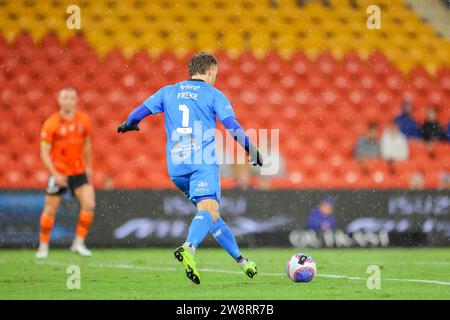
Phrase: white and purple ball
(301, 268)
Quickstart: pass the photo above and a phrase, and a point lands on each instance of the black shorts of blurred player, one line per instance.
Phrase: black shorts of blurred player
(73, 183)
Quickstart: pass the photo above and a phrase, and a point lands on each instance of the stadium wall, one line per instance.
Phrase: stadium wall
(259, 218)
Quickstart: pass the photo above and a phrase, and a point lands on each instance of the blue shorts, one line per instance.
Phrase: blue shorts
(200, 184)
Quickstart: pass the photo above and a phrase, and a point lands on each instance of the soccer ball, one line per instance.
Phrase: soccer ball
(301, 268)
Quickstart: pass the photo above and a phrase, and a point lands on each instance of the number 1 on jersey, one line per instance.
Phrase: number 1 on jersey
(184, 119)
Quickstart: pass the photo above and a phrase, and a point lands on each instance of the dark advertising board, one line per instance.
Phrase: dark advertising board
(258, 218)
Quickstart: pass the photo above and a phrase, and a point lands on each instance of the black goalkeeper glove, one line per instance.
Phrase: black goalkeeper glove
(124, 128)
(254, 156)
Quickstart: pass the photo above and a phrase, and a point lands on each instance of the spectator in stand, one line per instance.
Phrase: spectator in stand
(322, 217)
(406, 123)
(241, 174)
(431, 129)
(448, 131)
(445, 181)
(108, 183)
(273, 159)
(367, 145)
(417, 181)
(394, 144)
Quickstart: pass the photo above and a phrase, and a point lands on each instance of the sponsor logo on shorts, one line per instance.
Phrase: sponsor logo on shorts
(202, 186)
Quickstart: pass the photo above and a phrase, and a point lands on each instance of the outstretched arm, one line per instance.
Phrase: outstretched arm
(238, 133)
(152, 105)
(134, 118)
(225, 113)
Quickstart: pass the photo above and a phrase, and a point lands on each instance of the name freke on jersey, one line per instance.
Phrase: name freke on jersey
(187, 95)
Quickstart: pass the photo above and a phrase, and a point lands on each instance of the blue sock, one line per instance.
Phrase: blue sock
(224, 236)
(199, 227)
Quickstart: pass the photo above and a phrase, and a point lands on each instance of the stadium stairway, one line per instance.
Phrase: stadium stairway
(435, 13)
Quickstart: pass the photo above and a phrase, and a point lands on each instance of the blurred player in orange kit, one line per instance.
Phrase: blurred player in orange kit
(66, 153)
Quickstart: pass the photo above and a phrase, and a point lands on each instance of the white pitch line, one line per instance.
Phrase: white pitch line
(433, 262)
(270, 274)
(340, 277)
(420, 281)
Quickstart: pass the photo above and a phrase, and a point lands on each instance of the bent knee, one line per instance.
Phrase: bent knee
(88, 207)
(210, 205)
(50, 211)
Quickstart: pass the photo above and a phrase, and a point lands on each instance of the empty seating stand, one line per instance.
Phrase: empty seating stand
(317, 74)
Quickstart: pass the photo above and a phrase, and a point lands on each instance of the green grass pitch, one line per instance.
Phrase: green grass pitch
(155, 274)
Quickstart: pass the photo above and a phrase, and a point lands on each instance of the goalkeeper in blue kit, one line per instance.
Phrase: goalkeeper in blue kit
(190, 108)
